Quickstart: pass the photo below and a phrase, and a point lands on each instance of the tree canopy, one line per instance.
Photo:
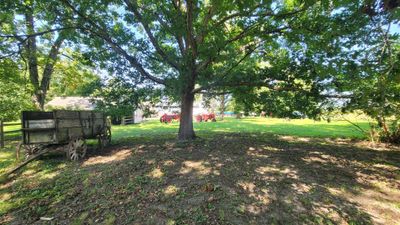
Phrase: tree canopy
(290, 54)
(192, 47)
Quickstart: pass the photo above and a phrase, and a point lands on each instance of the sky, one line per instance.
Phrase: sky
(395, 29)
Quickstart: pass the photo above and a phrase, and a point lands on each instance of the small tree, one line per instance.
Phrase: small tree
(374, 77)
(14, 95)
(119, 98)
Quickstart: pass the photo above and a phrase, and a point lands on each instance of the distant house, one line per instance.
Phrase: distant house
(86, 103)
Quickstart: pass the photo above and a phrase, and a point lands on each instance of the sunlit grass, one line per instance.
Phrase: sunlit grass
(8, 156)
(296, 127)
(12, 127)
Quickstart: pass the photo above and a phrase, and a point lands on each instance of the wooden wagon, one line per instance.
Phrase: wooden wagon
(63, 130)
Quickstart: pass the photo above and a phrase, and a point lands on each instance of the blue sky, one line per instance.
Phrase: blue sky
(395, 28)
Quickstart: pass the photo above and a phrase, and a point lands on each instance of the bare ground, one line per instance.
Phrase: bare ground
(217, 179)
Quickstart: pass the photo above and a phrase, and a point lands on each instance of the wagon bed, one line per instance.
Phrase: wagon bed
(64, 129)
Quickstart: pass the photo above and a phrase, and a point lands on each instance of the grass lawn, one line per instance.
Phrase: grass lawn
(298, 127)
(248, 171)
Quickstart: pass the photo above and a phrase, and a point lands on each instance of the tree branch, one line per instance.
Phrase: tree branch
(189, 28)
(263, 14)
(268, 83)
(177, 5)
(356, 125)
(210, 59)
(215, 93)
(228, 71)
(247, 29)
(207, 17)
(19, 36)
(104, 35)
(50, 62)
(234, 15)
(132, 6)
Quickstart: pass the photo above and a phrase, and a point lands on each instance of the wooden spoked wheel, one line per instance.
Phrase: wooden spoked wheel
(30, 149)
(76, 149)
(105, 137)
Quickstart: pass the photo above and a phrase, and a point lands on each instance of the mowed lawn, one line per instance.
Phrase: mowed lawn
(247, 171)
(294, 127)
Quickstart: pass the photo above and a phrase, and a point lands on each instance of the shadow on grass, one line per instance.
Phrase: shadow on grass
(217, 179)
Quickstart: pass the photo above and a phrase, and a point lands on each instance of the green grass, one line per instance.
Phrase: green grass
(297, 127)
(12, 127)
(15, 135)
(7, 155)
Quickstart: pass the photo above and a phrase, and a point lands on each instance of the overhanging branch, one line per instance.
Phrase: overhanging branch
(102, 33)
(271, 87)
(132, 6)
(228, 70)
(19, 36)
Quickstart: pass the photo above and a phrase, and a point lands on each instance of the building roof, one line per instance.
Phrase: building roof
(72, 103)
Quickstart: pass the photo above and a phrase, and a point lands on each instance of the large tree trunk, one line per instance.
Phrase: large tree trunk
(186, 131)
(31, 52)
(40, 99)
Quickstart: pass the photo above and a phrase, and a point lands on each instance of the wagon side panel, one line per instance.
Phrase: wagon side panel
(73, 124)
(38, 128)
(99, 123)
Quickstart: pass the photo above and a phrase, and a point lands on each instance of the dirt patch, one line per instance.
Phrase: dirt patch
(113, 157)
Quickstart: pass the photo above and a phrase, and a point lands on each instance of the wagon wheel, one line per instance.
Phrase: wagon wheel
(105, 137)
(76, 149)
(30, 149)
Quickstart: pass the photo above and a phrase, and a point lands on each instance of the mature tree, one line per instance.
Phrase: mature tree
(33, 30)
(192, 46)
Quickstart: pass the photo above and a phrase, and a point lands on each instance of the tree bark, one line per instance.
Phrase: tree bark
(48, 70)
(222, 107)
(31, 51)
(186, 131)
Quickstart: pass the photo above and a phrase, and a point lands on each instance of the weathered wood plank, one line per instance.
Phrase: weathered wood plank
(41, 137)
(40, 123)
(36, 115)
